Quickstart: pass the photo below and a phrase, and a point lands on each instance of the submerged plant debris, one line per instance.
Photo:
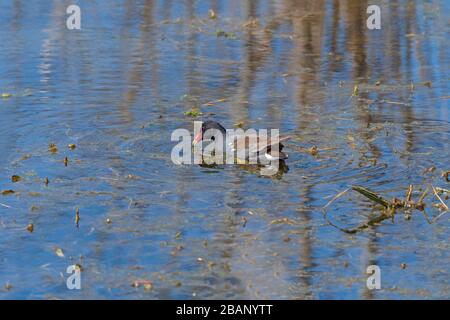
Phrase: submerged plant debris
(389, 208)
(195, 112)
(52, 148)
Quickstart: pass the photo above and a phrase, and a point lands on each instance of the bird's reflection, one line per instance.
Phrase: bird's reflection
(273, 171)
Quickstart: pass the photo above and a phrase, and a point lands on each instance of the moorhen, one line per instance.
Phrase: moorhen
(254, 146)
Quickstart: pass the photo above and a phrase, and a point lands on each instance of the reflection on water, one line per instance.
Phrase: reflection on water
(118, 87)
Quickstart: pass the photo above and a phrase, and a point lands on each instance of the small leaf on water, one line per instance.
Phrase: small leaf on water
(72, 146)
(59, 252)
(212, 14)
(30, 227)
(66, 161)
(313, 150)
(193, 113)
(79, 267)
(15, 178)
(222, 33)
(46, 181)
(52, 148)
(6, 95)
(77, 217)
(8, 192)
(148, 285)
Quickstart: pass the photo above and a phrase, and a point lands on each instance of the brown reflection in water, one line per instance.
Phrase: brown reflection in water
(143, 55)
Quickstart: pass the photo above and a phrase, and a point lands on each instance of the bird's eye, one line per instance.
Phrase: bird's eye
(213, 138)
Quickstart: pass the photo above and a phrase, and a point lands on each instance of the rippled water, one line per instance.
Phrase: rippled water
(118, 87)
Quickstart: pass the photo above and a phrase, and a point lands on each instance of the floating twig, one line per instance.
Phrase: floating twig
(5, 205)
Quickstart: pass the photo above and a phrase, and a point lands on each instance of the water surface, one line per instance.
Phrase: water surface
(118, 87)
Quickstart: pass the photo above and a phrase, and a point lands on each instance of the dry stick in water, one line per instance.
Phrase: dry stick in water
(442, 190)
(408, 195)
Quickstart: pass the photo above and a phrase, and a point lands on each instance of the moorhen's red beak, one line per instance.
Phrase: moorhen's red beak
(197, 138)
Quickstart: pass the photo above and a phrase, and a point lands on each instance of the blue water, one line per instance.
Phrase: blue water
(117, 89)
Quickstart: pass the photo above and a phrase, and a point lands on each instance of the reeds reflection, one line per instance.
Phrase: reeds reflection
(371, 104)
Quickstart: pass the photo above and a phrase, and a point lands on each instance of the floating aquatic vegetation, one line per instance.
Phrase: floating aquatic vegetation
(66, 161)
(355, 91)
(389, 208)
(77, 217)
(283, 221)
(79, 267)
(72, 146)
(371, 195)
(59, 252)
(15, 178)
(194, 112)
(6, 95)
(313, 150)
(147, 284)
(212, 14)
(52, 148)
(222, 33)
(8, 192)
(25, 157)
(30, 227)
